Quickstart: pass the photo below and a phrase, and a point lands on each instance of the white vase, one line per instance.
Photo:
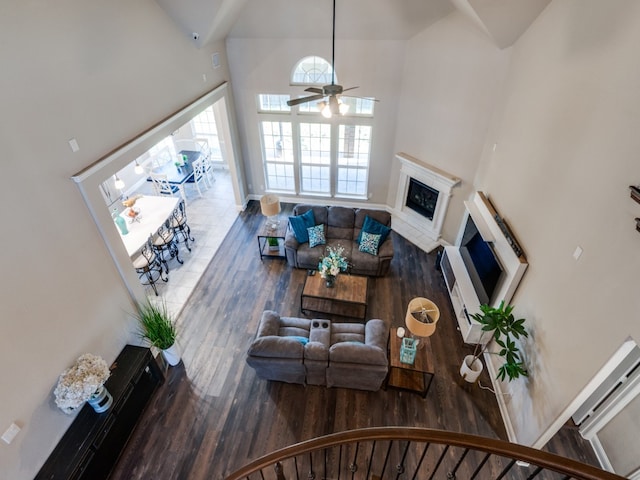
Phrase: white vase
(101, 400)
(470, 372)
(172, 354)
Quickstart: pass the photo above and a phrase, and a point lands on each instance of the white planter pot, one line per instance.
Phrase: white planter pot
(471, 372)
(172, 354)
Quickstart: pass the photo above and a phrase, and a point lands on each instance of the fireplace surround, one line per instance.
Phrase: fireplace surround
(421, 201)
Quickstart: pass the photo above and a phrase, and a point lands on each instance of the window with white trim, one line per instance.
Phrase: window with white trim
(305, 153)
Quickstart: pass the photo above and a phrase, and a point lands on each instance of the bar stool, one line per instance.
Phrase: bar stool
(148, 266)
(164, 241)
(179, 225)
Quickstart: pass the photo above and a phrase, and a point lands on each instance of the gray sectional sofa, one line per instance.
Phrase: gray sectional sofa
(319, 352)
(342, 226)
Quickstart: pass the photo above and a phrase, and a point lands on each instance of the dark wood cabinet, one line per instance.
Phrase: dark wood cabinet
(92, 444)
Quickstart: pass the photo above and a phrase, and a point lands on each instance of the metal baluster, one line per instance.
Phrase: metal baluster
(339, 462)
(261, 474)
(386, 459)
(435, 469)
(279, 471)
(400, 466)
(373, 449)
(424, 454)
(311, 475)
(325, 463)
(354, 466)
(507, 468)
(452, 474)
(484, 460)
(535, 473)
(295, 464)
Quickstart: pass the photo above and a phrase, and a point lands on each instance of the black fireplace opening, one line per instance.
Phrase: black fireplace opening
(422, 198)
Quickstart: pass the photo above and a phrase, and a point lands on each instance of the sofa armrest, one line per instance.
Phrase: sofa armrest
(269, 324)
(386, 248)
(376, 333)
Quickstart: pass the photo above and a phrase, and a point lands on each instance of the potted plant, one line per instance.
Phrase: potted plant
(273, 243)
(504, 328)
(157, 326)
(83, 382)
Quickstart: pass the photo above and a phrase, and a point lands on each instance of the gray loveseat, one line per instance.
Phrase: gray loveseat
(319, 352)
(342, 226)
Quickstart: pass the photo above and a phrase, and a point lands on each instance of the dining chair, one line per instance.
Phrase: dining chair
(164, 241)
(162, 186)
(180, 226)
(199, 176)
(205, 154)
(148, 266)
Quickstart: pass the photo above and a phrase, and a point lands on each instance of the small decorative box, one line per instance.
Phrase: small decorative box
(408, 351)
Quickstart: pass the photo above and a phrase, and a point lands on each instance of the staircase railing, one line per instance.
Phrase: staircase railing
(413, 453)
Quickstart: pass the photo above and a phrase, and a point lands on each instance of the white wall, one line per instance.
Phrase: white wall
(102, 72)
(265, 66)
(451, 80)
(567, 149)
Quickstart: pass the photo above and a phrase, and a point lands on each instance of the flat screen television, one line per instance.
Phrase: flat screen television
(481, 262)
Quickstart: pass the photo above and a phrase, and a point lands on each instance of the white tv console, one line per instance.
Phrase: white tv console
(461, 290)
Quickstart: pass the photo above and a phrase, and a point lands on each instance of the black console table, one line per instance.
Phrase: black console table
(92, 444)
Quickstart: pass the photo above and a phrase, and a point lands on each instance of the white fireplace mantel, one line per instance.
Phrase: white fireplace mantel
(418, 229)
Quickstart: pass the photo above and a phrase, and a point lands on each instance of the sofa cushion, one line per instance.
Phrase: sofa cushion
(371, 225)
(347, 332)
(351, 352)
(340, 222)
(369, 242)
(300, 223)
(316, 351)
(319, 212)
(301, 339)
(276, 347)
(316, 235)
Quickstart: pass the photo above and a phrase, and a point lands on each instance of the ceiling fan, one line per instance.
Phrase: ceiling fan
(333, 105)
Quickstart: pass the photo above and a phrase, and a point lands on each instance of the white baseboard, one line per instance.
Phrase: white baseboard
(500, 394)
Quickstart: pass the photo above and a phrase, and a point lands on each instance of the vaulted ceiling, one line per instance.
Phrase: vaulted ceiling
(503, 20)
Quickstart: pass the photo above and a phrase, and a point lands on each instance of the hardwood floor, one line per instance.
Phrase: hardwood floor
(213, 414)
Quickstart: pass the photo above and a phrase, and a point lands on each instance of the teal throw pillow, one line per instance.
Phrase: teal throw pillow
(302, 340)
(300, 223)
(373, 226)
(369, 243)
(316, 235)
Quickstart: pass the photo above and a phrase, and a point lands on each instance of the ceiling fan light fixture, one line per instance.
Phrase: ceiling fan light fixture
(343, 107)
(325, 109)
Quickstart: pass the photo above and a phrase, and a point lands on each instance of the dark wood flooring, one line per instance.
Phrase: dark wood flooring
(213, 414)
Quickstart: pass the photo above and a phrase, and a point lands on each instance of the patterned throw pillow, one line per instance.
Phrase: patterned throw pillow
(371, 225)
(316, 235)
(369, 243)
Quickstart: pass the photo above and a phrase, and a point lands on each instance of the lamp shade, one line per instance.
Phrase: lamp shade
(270, 205)
(422, 317)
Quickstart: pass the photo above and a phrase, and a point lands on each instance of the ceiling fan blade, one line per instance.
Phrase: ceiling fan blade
(350, 88)
(313, 90)
(363, 98)
(298, 101)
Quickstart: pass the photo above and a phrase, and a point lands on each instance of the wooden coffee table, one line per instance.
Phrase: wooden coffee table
(404, 376)
(347, 298)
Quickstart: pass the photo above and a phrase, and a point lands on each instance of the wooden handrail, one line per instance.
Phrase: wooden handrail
(514, 451)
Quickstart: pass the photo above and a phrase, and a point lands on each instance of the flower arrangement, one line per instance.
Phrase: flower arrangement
(333, 262)
(78, 383)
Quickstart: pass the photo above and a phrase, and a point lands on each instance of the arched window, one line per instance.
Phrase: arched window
(312, 71)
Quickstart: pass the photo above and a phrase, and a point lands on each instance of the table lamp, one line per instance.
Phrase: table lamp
(270, 208)
(422, 317)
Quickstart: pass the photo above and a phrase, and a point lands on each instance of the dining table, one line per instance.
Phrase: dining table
(153, 211)
(178, 175)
